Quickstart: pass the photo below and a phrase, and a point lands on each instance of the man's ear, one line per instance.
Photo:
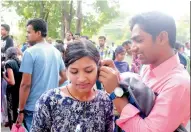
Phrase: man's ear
(162, 38)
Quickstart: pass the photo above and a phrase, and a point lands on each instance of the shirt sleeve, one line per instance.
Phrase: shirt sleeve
(27, 63)
(109, 118)
(9, 64)
(42, 117)
(167, 114)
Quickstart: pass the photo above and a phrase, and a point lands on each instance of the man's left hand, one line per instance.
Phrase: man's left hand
(109, 77)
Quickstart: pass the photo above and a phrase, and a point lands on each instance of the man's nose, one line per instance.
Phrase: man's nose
(134, 49)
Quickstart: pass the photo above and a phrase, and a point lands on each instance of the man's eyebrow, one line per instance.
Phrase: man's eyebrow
(135, 37)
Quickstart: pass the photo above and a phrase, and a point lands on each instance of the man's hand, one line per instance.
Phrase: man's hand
(109, 78)
(108, 63)
(20, 119)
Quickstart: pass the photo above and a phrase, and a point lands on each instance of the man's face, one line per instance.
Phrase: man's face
(127, 48)
(3, 32)
(32, 36)
(143, 46)
(68, 36)
(101, 42)
(77, 37)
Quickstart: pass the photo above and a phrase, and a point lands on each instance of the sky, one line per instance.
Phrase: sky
(176, 8)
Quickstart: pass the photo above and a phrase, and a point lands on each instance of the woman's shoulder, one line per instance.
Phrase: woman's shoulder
(103, 96)
(49, 95)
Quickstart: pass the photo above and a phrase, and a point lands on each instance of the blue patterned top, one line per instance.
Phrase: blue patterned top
(57, 113)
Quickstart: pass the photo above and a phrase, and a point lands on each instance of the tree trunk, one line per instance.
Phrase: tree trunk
(79, 16)
(41, 9)
(65, 19)
(70, 14)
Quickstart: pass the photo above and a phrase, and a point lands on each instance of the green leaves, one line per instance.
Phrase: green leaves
(52, 12)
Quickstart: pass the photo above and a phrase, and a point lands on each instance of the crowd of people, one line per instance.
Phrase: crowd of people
(73, 84)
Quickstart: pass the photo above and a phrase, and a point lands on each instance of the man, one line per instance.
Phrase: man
(7, 41)
(76, 36)
(68, 39)
(153, 36)
(103, 48)
(127, 46)
(41, 66)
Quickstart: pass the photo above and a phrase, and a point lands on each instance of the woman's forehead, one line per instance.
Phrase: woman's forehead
(84, 62)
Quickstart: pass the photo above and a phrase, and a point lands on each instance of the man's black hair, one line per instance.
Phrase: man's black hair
(155, 22)
(126, 43)
(102, 37)
(39, 25)
(7, 27)
(86, 37)
(178, 45)
(77, 34)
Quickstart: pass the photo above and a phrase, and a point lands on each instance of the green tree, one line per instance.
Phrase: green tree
(60, 15)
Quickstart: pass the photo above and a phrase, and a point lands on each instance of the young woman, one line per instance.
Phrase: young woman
(121, 65)
(77, 106)
(13, 78)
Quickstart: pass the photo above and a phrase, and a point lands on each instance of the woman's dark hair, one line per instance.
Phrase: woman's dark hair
(78, 49)
(11, 54)
(39, 25)
(118, 50)
(60, 47)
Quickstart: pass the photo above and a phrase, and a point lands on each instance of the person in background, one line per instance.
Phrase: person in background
(187, 49)
(84, 38)
(24, 46)
(4, 115)
(103, 49)
(77, 106)
(7, 41)
(68, 39)
(58, 41)
(128, 57)
(41, 66)
(180, 49)
(49, 40)
(119, 62)
(153, 36)
(76, 36)
(60, 47)
(13, 78)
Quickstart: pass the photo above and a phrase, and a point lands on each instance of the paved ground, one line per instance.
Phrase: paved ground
(3, 129)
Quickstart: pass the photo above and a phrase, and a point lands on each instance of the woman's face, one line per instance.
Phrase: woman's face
(83, 74)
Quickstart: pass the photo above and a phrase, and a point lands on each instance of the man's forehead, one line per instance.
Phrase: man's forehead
(136, 31)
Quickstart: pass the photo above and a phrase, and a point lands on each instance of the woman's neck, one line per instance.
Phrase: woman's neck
(81, 96)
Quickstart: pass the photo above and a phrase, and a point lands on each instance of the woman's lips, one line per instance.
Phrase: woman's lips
(83, 86)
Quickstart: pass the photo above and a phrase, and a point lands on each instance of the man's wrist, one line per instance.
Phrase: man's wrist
(20, 111)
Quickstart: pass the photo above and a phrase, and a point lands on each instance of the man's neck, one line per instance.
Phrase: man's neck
(4, 36)
(102, 47)
(41, 41)
(164, 58)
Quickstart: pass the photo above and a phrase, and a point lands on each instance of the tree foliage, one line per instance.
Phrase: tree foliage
(60, 13)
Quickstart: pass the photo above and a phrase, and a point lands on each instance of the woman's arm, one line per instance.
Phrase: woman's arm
(10, 79)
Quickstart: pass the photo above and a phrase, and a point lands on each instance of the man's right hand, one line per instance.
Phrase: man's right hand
(20, 119)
